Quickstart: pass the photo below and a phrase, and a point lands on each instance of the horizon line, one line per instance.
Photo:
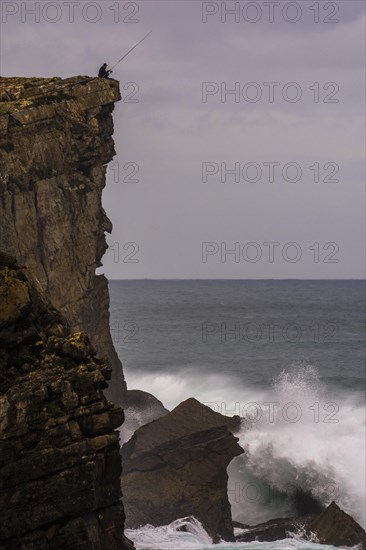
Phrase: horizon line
(228, 279)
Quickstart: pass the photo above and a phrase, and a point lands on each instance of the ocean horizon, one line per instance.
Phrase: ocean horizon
(287, 355)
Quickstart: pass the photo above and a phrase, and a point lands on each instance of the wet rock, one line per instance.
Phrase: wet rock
(176, 466)
(140, 408)
(334, 526)
(275, 529)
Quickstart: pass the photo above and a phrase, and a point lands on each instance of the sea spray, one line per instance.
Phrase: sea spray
(321, 454)
(194, 537)
(170, 359)
(301, 445)
(185, 533)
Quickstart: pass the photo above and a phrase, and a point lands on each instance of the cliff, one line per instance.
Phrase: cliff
(60, 461)
(55, 142)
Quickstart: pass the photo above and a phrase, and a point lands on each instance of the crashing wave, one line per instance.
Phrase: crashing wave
(181, 534)
(305, 450)
(189, 534)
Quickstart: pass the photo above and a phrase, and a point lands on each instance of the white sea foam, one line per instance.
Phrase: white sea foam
(322, 452)
(182, 534)
(169, 537)
(172, 388)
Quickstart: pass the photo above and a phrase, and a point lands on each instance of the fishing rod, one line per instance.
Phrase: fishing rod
(129, 51)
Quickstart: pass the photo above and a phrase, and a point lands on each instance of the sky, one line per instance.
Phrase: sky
(239, 138)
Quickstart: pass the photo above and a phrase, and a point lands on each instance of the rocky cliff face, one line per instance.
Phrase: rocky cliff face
(60, 463)
(55, 141)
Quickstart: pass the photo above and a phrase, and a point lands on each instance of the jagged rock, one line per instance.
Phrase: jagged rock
(176, 466)
(333, 526)
(77, 346)
(60, 461)
(142, 401)
(55, 141)
(189, 417)
(275, 529)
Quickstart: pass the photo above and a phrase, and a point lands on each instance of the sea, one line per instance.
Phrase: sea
(288, 356)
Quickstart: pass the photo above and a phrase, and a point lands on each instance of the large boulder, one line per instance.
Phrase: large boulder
(334, 526)
(140, 408)
(176, 466)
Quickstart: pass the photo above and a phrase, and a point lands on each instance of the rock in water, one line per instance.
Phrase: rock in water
(60, 461)
(140, 408)
(176, 466)
(55, 142)
(274, 529)
(333, 526)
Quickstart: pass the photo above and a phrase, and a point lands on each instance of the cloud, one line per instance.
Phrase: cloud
(170, 131)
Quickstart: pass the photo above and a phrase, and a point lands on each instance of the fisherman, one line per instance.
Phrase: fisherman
(103, 72)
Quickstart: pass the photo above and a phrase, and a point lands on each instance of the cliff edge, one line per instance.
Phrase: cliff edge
(55, 142)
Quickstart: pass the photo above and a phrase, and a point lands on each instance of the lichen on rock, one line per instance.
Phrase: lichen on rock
(60, 463)
(55, 142)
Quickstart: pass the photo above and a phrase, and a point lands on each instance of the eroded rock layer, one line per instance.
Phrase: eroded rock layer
(55, 142)
(60, 463)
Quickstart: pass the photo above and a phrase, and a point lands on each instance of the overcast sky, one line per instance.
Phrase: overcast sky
(273, 171)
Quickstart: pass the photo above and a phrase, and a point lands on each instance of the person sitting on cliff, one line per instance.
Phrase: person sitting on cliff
(103, 72)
